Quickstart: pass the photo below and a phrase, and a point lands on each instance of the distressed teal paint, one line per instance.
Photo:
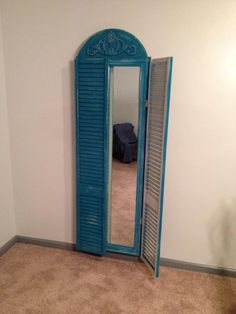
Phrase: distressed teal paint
(116, 45)
(105, 47)
(90, 112)
(157, 268)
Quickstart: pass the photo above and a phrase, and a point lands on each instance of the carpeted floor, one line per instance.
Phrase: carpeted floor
(124, 177)
(36, 280)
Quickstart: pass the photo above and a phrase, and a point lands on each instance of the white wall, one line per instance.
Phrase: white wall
(40, 41)
(7, 218)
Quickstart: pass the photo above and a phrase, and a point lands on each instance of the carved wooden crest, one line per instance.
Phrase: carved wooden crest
(111, 45)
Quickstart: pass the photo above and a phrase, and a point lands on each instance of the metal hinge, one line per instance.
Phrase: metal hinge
(141, 221)
(146, 103)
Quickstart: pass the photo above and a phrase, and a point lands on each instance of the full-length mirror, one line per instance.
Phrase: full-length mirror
(124, 116)
(122, 105)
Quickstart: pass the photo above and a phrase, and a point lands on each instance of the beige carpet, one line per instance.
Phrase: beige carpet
(41, 280)
(123, 202)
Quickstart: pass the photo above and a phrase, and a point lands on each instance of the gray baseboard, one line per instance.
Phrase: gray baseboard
(47, 243)
(164, 261)
(8, 245)
(198, 267)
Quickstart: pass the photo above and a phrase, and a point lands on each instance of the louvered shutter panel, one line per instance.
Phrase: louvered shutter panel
(90, 124)
(157, 124)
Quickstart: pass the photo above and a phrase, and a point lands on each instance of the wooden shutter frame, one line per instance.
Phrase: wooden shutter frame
(83, 189)
(107, 45)
(163, 165)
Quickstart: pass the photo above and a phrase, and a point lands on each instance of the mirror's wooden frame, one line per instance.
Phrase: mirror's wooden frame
(143, 66)
(110, 47)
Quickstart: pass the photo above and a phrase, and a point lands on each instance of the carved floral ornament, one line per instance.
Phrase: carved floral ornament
(111, 45)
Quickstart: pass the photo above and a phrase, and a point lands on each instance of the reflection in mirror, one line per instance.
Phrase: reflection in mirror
(124, 108)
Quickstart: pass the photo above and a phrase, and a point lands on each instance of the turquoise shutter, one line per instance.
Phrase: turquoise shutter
(90, 144)
(157, 125)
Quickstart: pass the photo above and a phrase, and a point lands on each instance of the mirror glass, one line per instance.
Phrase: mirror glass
(124, 113)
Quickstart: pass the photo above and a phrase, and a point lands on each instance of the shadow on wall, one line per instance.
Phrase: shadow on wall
(68, 96)
(222, 238)
(69, 143)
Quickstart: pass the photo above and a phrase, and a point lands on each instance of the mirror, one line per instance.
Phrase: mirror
(124, 116)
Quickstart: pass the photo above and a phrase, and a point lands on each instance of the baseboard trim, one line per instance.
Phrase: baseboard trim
(47, 243)
(198, 267)
(164, 261)
(8, 245)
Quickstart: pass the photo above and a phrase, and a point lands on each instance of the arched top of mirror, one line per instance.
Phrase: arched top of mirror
(113, 43)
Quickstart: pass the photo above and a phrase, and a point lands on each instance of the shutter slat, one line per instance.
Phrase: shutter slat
(90, 82)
